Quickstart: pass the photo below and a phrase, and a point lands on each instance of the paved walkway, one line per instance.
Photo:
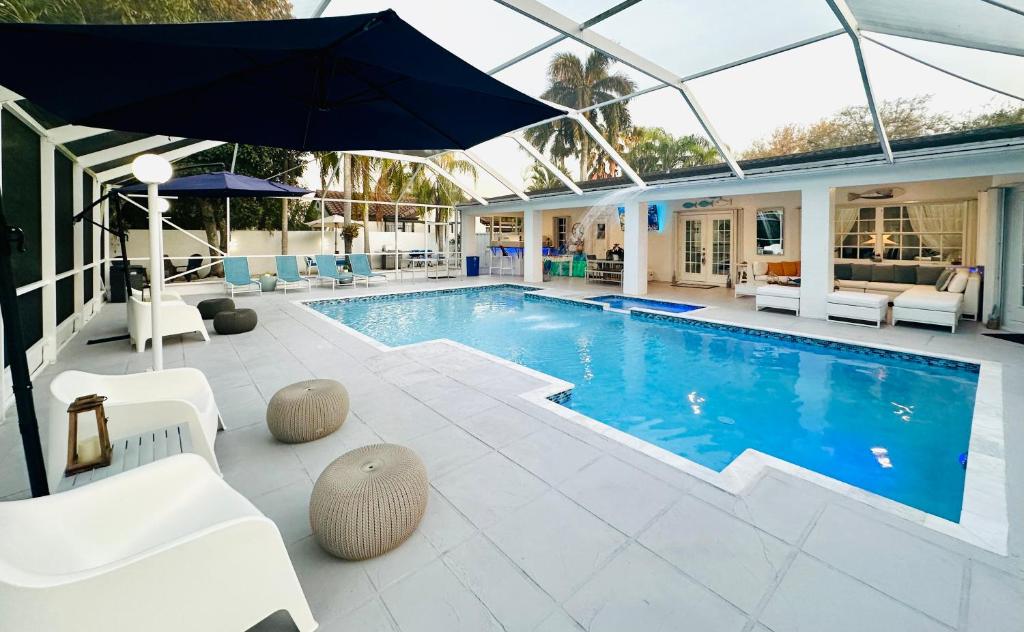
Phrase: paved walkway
(535, 523)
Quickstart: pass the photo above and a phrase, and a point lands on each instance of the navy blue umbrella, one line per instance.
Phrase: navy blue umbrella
(355, 82)
(220, 184)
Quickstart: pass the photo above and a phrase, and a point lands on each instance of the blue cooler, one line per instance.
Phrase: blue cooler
(472, 266)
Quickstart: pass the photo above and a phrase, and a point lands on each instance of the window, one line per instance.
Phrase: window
(907, 232)
(769, 231)
(561, 232)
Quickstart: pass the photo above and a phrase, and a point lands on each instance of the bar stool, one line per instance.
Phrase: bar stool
(501, 261)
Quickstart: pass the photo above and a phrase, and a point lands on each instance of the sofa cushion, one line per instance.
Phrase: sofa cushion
(883, 273)
(843, 271)
(893, 288)
(850, 283)
(943, 280)
(776, 268)
(958, 284)
(928, 275)
(858, 299)
(905, 274)
(862, 271)
(760, 268)
(791, 268)
(927, 297)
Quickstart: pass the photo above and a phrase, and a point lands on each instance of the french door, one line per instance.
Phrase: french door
(1013, 265)
(705, 247)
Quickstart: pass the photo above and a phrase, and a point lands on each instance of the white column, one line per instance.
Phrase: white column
(48, 256)
(156, 275)
(97, 234)
(77, 203)
(467, 231)
(105, 220)
(533, 261)
(816, 238)
(634, 273)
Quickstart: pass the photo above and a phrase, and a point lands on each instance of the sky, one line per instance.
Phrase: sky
(687, 37)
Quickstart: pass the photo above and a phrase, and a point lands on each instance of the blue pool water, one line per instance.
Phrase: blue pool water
(626, 303)
(892, 426)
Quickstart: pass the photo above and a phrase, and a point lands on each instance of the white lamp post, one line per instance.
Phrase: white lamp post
(154, 170)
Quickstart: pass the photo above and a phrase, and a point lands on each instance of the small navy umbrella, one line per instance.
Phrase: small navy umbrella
(220, 184)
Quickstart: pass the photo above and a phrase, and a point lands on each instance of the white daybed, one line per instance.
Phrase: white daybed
(925, 304)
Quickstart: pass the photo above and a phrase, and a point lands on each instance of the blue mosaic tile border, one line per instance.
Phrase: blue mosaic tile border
(562, 397)
(382, 298)
(955, 365)
(543, 298)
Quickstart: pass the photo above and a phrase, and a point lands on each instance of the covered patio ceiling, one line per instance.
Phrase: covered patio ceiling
(976, 43)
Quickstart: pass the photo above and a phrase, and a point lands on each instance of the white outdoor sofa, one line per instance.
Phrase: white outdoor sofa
(176, 317)
(166, 547)
(135, 403)
(925, 304)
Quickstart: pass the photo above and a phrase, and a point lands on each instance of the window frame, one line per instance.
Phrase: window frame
(781, 211)
(879, 232)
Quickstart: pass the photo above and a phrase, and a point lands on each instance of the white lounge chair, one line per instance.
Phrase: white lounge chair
(165, 547)
(926, 304)
(135, 403)
(176, 317)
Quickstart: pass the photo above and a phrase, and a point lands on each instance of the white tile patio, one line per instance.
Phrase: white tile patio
(536, 523)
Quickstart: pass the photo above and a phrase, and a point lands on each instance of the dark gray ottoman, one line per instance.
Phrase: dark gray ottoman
(235, 321)
(213, 306)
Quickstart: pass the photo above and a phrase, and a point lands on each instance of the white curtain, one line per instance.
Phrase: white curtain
(845, 220)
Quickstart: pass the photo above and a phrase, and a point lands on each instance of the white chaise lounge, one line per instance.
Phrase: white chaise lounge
(166, 547)
(136, 402)
(779, 297)
(925, 304)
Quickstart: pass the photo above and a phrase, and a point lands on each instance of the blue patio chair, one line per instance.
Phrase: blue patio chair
(288, 273)
(360, 264)
(237, 277)
(310, 263)
(327, 270)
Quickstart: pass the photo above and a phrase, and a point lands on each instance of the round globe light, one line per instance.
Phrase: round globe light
(162, 205)
(151, 169)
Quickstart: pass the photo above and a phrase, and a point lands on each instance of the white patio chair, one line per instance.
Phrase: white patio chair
(165, 547)
(135, 403)
(176, 317)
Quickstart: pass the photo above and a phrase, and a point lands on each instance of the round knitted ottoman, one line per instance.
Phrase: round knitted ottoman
(307, 411)
(213, 306)
(368, 501)
(234, 321)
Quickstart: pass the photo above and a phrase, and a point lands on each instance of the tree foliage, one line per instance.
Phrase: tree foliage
(578, 85)
(650, 150)
(141, 11)
(903, 118)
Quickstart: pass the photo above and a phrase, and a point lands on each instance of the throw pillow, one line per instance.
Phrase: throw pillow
(958, 283)
(883, 273)
(776, 268)
(843, 271)
(790, 268)
(862, 271)
(928, 275)
(905, 274)
(943, 280)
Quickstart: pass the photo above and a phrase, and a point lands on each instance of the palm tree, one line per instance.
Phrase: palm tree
(539, 178)
(429, 188)
(654, 150)
(580, 85)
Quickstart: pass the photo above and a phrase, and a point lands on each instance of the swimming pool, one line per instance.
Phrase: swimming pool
(893, 424)
(616, 301)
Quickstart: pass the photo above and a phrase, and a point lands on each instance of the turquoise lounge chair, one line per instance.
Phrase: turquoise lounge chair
(288, 274)
(327, 270)
(361, 269)
(237, 277)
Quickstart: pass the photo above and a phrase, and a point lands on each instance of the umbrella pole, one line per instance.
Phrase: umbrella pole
(156, 277)
(15, 345)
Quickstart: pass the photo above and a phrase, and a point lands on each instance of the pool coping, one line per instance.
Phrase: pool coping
(984, 520)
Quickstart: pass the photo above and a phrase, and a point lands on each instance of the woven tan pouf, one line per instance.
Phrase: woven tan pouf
(307, 411)
(368, 501)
